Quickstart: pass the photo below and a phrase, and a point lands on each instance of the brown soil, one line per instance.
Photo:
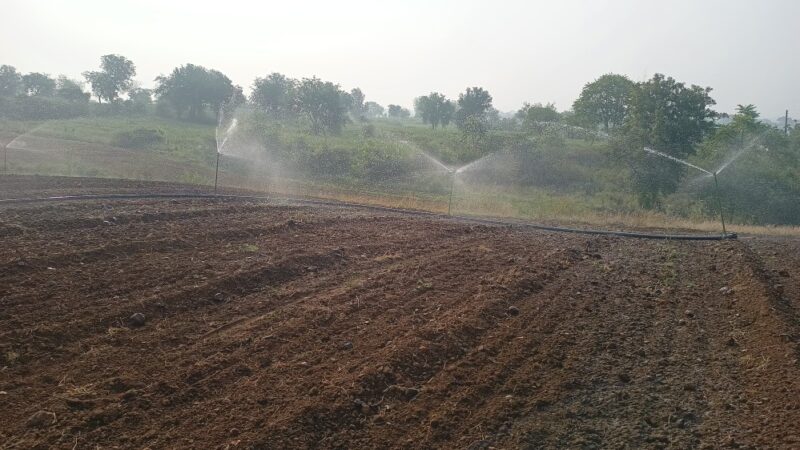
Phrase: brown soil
(273, 325)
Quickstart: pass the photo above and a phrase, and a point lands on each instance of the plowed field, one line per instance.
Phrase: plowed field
(234, 324)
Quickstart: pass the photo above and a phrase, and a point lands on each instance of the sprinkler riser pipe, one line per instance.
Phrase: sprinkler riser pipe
(719, 204)
(452, 186)
(216, 174)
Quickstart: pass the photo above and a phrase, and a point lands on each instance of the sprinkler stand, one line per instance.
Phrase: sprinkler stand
(5, 159)
(452, 185)
(216, 174)
(719, 204)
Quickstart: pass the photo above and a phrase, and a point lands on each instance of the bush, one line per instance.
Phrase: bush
(139, 138)
(41, 108)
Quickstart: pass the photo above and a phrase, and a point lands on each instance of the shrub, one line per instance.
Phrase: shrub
(139, 138)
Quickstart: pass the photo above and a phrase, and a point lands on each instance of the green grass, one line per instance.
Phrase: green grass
(568, 179)
(184, 141)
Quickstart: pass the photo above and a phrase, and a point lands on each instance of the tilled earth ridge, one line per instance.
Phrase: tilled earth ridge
(281, 326)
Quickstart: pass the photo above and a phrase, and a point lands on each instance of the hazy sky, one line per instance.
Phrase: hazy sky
(545, 51)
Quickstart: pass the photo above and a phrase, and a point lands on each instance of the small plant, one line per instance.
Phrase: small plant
(139, 138)
(249, 248)
(423, 286)
(11, 357)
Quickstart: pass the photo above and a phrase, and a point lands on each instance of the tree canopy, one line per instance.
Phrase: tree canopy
(274, 94)
(115, 77)
(324, 104)
(398, 112)
(192, 89)
(536, 113)
(434, 109)
(36, 84)
(10, 81)
(670, 117)
(604, 101)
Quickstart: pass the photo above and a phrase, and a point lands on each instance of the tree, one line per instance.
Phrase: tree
(323, 103)
(604, 101)
(357, 107)
(71, 90)
(373, 110)
(537, 113)
(140, 99)
(37, 84)
(434, 109)
(398, 112)
(274, 94)
(10, 81)
(115, 77)
(667, 116)
(194, 89)
(473, 105)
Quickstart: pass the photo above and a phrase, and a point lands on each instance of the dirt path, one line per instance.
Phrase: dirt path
(284, 326)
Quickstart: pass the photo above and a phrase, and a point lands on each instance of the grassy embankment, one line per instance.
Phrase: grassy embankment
(571, 181)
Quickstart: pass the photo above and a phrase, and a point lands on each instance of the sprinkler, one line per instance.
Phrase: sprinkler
(719, 203)
(452, 186)
(5, 159)
(713, 174)
(216, 174)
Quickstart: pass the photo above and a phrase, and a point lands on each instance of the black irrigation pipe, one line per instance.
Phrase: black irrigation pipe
(676, 237)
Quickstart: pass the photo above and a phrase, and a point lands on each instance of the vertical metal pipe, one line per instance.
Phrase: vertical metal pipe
(452, 185)
(719, 204)
(216, 174)
(5, 159)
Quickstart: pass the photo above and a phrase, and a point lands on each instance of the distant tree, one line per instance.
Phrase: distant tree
(604, 101)
(114, 78)
(667, 116)
(434, 109)
(536, 113)
(324, 104)
(398, 112)
(447, 112)
(475, 101)
(274, 94)
(357, 106)
(10, 81)
(140, 99)
(37, 84)
(193, 89)
(373, 110)
(71, 90)
(472, 116)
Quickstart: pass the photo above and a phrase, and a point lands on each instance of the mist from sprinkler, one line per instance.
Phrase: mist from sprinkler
(712, 174)
(221, 139)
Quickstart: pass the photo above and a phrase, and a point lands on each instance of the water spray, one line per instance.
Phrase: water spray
(713, 174)
(5, 159)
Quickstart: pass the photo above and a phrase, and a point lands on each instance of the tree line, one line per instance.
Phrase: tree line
(660, 113)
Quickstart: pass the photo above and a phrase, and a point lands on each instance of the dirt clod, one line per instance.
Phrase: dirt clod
(137, 320)
(41, 419)
(513, 310)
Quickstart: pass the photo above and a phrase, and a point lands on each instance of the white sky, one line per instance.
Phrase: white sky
(748, 51)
